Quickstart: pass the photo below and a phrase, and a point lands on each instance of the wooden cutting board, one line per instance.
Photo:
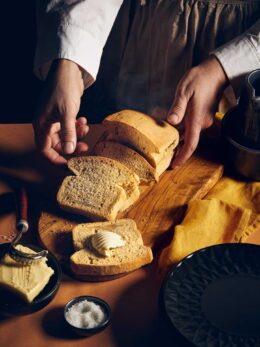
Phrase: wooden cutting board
(159, 208)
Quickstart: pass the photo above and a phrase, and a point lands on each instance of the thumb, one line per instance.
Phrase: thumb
(178, 109)
(68, 134)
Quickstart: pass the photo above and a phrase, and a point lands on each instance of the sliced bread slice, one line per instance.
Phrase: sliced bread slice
(127, 226)
(101, 188)
(101, 167)
(164, 160)
(151, 137)
(129, 257)
(130, 158)
(86, 261)
(94, 198)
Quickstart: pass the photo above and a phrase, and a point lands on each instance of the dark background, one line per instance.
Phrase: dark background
(19, 87)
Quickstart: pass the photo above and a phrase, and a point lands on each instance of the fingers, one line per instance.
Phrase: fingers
(48, 140)
(81, 121)
(68, 133)
(178, 108)
(197, 95)
(54, 156)
(177, 112)
(81, 148)
(56, 128)
(71, 131)
(46, 147)
(81, 128)
(191, 140)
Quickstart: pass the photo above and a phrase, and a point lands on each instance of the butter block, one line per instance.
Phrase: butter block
(25, 280)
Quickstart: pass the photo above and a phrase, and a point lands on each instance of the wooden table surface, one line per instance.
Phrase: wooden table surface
(136, 316)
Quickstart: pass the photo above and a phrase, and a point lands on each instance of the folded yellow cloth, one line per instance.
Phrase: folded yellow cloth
(239, 193)
(229, 213)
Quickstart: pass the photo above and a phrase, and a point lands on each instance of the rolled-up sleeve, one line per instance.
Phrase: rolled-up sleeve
(76, 30)
(240, 56)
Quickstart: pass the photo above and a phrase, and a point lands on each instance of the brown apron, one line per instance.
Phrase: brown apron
(152, 44)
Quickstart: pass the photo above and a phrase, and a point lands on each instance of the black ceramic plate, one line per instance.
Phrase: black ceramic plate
(212, 297)
(12, 305)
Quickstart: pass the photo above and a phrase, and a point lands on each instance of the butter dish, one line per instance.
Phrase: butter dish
(19, 299)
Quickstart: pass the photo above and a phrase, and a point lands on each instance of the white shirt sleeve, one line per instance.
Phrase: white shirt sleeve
(240, 56)
(76, 30)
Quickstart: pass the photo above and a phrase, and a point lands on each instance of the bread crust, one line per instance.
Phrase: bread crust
(87, 261)
(158, 134)
(128, 157)
(98, 270)
(152, 138)
(85, 160)
(111, 195)
(79, 232)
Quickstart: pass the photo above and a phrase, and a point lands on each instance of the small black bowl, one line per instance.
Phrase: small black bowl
(12, 305)
(89, 331)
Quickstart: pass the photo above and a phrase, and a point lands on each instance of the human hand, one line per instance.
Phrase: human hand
(56, 130)
(196, 100)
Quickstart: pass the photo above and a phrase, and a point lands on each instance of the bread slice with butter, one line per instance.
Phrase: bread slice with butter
(119, 226)
(101, 188)
(154, 139)
(99, 253)
(25, 280)
(130, 158)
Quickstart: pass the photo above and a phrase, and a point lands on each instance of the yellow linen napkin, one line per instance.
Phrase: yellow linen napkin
(229, 213)
(239, 193)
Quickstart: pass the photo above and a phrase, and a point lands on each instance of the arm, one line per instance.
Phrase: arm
(240, 56)
(71, 37)
(74, 30)
(199, 91)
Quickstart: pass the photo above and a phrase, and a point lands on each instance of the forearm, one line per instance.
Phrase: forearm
(240, 56)
(76, 32)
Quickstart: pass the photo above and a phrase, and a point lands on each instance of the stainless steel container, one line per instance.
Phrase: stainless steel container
(245, 160)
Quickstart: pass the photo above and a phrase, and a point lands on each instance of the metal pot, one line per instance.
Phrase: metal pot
(245, 160)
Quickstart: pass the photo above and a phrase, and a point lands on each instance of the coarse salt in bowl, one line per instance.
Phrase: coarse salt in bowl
(87, 315)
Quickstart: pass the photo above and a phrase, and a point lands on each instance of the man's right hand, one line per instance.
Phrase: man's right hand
(56, 130)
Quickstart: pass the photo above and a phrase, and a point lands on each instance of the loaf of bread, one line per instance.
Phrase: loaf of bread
(154, 139)
(100, 189)
(127, 257)
(130, 158)
(135, 147)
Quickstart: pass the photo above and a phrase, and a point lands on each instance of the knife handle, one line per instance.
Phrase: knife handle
(22, 211)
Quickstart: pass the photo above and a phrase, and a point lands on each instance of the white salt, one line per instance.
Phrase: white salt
(85, 314)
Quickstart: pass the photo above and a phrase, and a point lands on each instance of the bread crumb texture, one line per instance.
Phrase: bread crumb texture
(101, 188)
(87, 260)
